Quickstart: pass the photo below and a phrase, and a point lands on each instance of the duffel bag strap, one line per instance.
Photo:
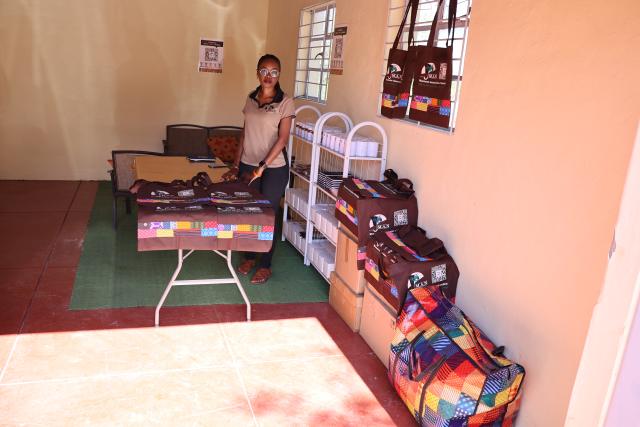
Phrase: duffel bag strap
(495, 355)
(404, 187)
(392, 246)
(381, 272)
(430, 371)
(429, 247)
(412, 355)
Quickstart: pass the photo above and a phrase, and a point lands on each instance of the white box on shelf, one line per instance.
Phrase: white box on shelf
(331, 141)
(286, 226)
(372, 148)
(339, 143)
(361, 147)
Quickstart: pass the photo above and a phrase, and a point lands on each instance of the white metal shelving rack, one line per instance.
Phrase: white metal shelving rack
(309, 205)
(321, 250)
(296, 205)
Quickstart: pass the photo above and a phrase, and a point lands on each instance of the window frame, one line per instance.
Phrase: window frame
(398, 7)
(303, 64)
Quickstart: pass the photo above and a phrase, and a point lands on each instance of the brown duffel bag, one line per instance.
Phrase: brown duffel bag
(365, 207)
(403, 259)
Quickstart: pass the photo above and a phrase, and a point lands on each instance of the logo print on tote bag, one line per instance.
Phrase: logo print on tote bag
(394, 73)
(376, 223)
(415, 280)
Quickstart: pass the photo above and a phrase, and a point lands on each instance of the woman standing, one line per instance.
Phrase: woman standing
(268, 114)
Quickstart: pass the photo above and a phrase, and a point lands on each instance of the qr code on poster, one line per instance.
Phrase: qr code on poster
(211, 54)
(400, 217)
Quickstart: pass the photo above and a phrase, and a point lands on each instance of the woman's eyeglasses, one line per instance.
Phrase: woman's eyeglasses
(265, 72)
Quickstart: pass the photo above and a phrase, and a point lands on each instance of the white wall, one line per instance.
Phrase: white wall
(626, 395)
(606, 368)
(79, 78)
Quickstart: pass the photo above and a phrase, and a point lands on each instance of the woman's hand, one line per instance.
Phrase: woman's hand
(231, 174)
(249, 177)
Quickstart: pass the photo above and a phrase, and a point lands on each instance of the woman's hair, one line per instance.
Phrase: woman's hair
(267, 57)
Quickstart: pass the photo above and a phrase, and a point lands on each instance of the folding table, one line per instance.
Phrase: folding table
(239, 219)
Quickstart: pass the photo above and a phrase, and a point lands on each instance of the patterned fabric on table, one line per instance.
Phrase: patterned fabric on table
(148, 230)
(446, 370)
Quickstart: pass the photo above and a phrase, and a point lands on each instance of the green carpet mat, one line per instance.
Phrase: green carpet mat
(112, 273)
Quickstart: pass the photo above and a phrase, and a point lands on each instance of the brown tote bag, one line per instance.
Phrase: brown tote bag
(431, 103)
(400, 66)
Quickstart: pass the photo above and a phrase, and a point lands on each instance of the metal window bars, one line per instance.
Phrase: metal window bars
(314, 48)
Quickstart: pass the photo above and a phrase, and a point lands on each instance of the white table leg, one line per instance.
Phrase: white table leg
(173, 282)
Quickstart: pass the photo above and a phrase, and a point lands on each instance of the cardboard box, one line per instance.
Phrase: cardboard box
(347, 262)
(347, 303)
(377, 323)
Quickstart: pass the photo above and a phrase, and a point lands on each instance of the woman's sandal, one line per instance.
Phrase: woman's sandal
(246, 266)
(262, 275)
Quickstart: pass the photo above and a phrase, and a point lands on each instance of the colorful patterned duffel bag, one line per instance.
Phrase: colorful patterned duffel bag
(445, 368)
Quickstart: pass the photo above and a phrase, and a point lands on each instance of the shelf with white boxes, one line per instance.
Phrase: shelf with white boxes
(300, 155)
(322, 153)
(339, 153)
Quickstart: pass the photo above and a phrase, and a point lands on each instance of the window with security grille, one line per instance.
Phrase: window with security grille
(426, 11)
(314, 49)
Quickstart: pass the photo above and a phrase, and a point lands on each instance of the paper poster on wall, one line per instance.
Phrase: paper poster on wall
(211, 56)
(337, 51)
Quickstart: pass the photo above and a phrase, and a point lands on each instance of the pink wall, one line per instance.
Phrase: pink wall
(526, 193)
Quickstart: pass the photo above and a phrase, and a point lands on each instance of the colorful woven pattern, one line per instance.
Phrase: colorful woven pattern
(392, 101)
(347, 210)
(424, 103)
(174, 201)
(394, 237)
(448, 373)
(388, 100)
(372, 268)
(362, 185)
(147, 230)
(216, 201)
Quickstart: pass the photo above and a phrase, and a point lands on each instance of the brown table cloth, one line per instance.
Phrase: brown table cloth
(235, 218)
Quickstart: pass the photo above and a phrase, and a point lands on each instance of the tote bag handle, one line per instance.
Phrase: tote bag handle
(413, 5)
(451, 18)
